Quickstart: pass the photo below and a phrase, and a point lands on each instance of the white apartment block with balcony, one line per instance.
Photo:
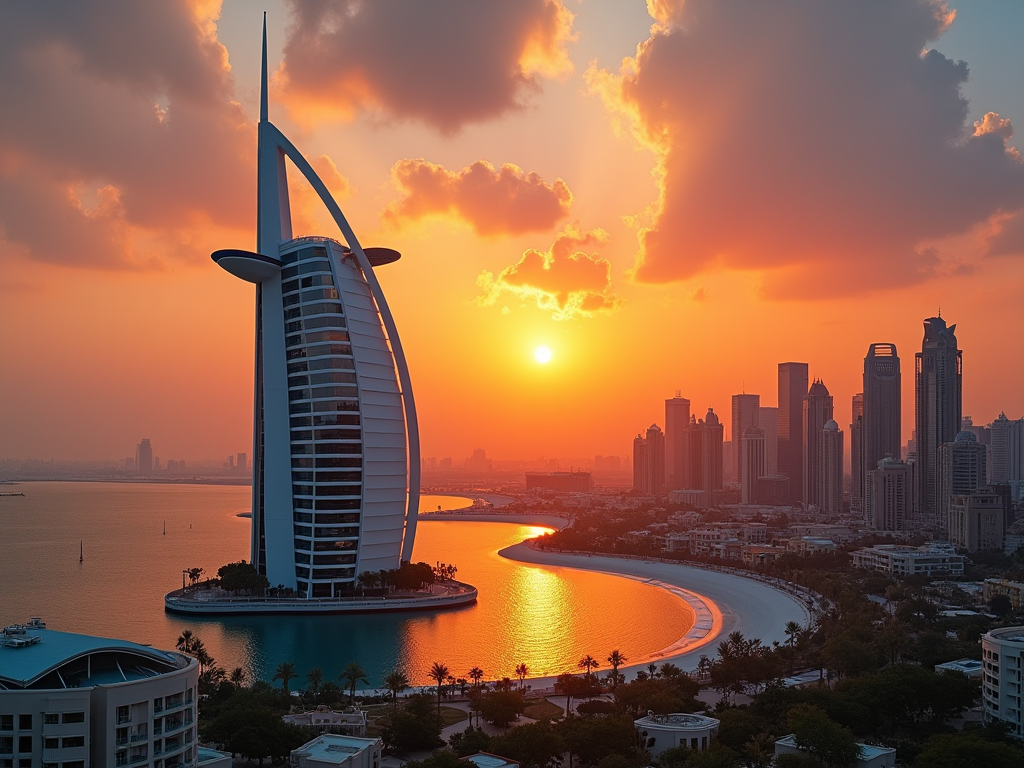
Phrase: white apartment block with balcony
(1002, 653)
(930, 560)
(77, 701)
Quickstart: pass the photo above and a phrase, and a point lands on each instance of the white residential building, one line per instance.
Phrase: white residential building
(1002, 652)
(657, 733)
(331, 750)
(931, 560)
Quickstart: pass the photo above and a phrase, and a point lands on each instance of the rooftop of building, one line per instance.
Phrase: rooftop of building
(335, 747)
(676, 721)
(967, 666)
(867, 751)
(1007, 635)
(32, 656)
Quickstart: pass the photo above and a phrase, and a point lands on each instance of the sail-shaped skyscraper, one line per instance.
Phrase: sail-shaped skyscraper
(336, 446)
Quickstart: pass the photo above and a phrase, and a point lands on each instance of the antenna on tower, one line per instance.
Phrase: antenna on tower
(263, 80)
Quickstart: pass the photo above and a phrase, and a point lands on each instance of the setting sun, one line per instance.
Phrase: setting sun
(542, 355)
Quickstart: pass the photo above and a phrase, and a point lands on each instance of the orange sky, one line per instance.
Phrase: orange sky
(751, 186)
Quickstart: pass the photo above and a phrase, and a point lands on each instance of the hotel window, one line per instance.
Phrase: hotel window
(51, 744)
(24, 722)
(74, 717)
(6, 722)
(72, 741)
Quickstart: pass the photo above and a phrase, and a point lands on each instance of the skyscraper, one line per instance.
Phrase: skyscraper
(1007, 444)
(144, 457)
(712, 433)
(754, 463)
(938, 379)
(830, 469)
(336, 447)
(888, 495)
(792, 388)
(649, 461)
(768, 420)
(817, 410)
(962, 469)
(641, 468)
(881, 435)
(677, 453)
(857, 467)
(745, 413)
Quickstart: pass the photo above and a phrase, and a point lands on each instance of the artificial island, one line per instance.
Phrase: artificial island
(336, 457)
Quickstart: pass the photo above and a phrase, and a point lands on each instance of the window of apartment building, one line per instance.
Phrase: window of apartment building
(6, 762)
(51, 743)
(25, 744)
(24, 762)
(123, 715)
(73, 741)
(24, 722)
(6, 745)
(73, 764)
(6, 722)
(74, 717)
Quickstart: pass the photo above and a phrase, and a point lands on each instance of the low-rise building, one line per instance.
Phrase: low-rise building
(1012, 589)
(75, 700)
(759, 554)
(932, 559)
(970, 667)
(656, 733)
(870, 755)
(325, 720)
(1002, 653)
(807, 546)
(332, 750)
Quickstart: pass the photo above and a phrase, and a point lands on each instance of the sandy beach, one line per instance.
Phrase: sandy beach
(735, 603)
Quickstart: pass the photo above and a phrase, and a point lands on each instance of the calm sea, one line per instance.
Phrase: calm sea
(546, 617)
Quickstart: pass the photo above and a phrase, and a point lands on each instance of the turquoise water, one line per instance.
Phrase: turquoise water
(545, 617)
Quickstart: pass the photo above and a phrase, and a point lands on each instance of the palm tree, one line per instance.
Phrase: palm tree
(792, 630)
(521, 672)
(476, 675)
(439, 672)
(616, 659)
(285, 673)
(315, 678)
(352, 675)
(652, 671)
(395, 682)
(186, 642)
(588, 663)
(237, 677)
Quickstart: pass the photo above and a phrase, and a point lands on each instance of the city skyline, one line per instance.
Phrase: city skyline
(109, 218)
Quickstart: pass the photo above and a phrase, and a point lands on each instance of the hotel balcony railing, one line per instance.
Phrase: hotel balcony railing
(120, 760)
(174, 705)
(173, 725)
(121, 741)
(139, 737)
(138, 758)
(124, 719)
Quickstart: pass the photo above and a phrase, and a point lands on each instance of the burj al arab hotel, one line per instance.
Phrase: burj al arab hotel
(336, 447)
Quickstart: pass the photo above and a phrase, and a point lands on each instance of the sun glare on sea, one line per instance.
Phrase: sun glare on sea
(542, 355)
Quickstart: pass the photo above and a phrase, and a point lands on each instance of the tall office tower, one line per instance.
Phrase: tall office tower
(745, 413)
(938, 409)
(858, 476)
(242, 461)
(975, 521)
(144, 457)
(817, 409)
(792, 388)
(641, 466)
(962, 469)
(677, 447)
(336, 464)
(1007, 446)
(754, 463)
(695, 440)
(711, 442)
(882, 412)
(888, 496)
(830, 469)
(768, 420)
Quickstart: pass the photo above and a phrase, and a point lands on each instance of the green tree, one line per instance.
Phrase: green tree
(438, 673)
(821, 738)
(470, 741)
(412, 728)
(242, 577)
(537, 745)
(592, 738)
(186, 642)
(352, 675)
(315, 678)
(500, 708)
(964, 750)
(237, 677)
(442, 758)
(1000, 605)
(588, 663)
(395, 682)
(285, 673)
(616, 659)
(522, 672)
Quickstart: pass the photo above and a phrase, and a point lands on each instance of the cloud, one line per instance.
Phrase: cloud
(820, 144)
(565, 281)
(493, 201)
(118, 134)
(445, 63)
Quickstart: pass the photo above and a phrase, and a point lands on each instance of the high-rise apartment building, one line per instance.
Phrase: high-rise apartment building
(792, 388)
(335, 460)
(649, 461)
(712, 434)
(881, 435)
(830, 469)
(754, 463)
(745, 413)
(768, 420)
(144, 457)
(938, 378)
(888, 498)
(962, 469)
(677, 446)
(641, 467)
(858, 473)
(1007, 446)
(817, 410)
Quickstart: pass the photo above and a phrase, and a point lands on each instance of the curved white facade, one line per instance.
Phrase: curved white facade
(336, 446)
